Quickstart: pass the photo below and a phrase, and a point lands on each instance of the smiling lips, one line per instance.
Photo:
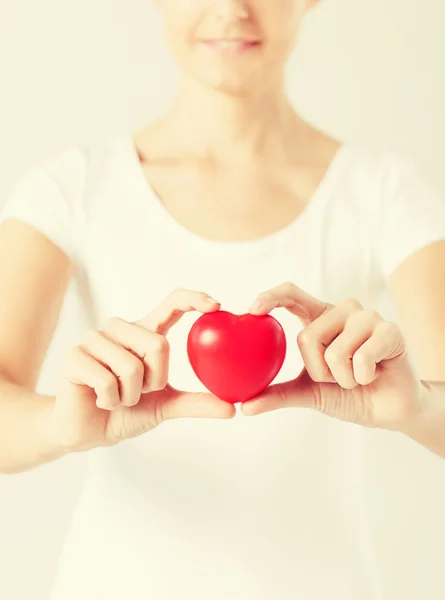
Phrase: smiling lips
(232, 45)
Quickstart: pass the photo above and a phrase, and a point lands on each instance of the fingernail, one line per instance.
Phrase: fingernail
(256, 304)
(212, 300)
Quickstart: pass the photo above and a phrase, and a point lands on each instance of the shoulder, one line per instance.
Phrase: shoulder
(380, 173)
(378, 164)
(56, 183)
(357, 165)
(364, 162)
(72, 165)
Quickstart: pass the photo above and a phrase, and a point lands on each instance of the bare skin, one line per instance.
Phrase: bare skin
(232, 160)
(204, 194)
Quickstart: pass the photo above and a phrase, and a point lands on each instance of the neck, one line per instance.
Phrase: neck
(223, 127)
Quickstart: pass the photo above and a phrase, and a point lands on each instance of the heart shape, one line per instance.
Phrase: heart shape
(236, 356)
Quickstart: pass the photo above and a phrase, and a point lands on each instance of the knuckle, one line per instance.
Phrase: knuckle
(390, 328)
(91, 336)
(306, 337)
(111, 323)
(362, 356)
(107, 383)
(159, 344)
(333, 355)
(351, 304)
(372, 315)
(133, 368)
(288, 286)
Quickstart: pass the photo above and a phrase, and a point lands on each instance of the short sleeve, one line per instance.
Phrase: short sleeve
(46, 196)
(412, 213)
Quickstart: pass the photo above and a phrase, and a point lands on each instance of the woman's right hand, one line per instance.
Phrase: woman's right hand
(115, 383)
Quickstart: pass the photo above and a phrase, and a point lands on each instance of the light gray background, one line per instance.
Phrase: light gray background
(74, 72)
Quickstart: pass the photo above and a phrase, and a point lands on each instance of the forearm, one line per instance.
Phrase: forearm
(428, 428)
(24, 425)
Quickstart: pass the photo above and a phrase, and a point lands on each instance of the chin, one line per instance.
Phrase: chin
(230, 88)
(232, 84)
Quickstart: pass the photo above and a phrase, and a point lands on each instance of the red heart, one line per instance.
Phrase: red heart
(236, 356)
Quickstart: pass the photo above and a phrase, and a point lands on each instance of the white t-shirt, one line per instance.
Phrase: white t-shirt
(253, 508)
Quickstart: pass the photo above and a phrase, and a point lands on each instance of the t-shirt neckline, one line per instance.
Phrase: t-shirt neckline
(185, 238)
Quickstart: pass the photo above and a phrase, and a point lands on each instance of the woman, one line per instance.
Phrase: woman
(232, 197)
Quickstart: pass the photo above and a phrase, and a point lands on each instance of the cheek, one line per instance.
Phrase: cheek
(282, 23)
(180, 18)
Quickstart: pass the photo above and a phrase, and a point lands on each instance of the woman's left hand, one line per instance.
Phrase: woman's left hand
(356, 366)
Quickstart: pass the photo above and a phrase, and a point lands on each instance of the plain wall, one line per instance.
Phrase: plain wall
(74, 72)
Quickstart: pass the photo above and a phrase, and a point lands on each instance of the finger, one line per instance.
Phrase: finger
(386, 343)
(339, 354)
(172, 308)
(294, 299)
(152, 349)
(128, 368)
(301, 392)
(82, 369)
(315, 339)
(177, 404)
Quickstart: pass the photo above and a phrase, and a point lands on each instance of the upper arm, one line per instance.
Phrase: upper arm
(418, 288)
(411, 242)
(34, 276)
(39, 251)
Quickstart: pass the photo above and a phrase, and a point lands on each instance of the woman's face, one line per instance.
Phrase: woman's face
(236, 46)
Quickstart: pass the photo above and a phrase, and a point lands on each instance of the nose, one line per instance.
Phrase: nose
(231, 9)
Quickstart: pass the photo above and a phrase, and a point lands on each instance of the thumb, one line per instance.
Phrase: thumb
(178, 404)
(301, 392)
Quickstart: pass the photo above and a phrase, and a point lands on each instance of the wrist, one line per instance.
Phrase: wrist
(50, 444)
(427, 425)
(417, 411)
